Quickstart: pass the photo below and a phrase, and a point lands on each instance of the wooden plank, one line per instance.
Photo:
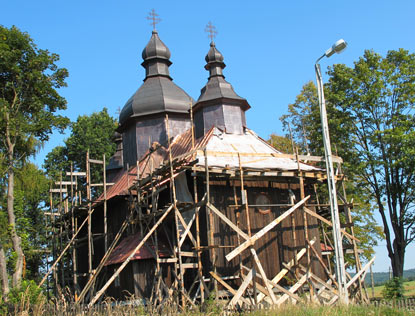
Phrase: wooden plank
(284, 271)
(321, 262)
(63, 252)
(227, 221)
(99, 162)
(192, 265)
(167, 260)
(275, 155)
(263, 275)
(64, 183)
(310, 212)
(227, 286)
(124, 264)
(293, 289)
(242, 288)
(277, 286)
(357, 275)
(76, 173)
(58, 191)
(264, 230)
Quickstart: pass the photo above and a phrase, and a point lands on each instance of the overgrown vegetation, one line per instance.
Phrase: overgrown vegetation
(111, 309)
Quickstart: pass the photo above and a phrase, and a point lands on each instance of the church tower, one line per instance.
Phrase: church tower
(143, 118)
(218, 104)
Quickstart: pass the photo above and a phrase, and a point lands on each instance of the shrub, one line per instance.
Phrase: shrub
(393, 289)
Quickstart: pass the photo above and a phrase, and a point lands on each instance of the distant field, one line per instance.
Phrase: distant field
(408, 286)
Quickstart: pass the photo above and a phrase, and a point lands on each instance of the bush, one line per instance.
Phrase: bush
(393, 289)
(29, 292)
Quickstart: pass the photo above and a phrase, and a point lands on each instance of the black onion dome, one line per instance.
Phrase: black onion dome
(158, 94)
(217, 87)
(213, 54)
(156, 48)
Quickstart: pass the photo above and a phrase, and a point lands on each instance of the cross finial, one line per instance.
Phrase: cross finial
(211, 29)
(154, 17)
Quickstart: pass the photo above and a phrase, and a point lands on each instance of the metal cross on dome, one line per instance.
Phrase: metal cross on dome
(211, 29)
(154, 17)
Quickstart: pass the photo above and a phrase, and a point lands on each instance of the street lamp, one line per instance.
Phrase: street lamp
(338, 47)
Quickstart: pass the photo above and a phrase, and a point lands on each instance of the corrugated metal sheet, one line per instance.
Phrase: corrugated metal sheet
(127, 246)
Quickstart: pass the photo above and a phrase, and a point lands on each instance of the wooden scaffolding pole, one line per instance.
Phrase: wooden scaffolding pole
(124, 264)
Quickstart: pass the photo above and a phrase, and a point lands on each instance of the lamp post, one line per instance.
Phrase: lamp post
(338, 47)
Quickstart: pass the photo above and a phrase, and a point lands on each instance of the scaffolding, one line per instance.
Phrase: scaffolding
(193, 282)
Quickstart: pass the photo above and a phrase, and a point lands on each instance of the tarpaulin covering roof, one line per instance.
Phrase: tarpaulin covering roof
(127, 246)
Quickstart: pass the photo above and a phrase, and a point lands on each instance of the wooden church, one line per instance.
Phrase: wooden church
(197, 205)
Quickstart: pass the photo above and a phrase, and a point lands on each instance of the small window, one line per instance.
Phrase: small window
(263, 199)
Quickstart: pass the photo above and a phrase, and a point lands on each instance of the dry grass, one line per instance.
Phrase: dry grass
(110, 309)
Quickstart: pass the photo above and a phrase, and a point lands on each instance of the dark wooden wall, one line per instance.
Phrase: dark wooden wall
(274, 248)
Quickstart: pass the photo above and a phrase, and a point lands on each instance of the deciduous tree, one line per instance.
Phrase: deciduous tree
(29, 101)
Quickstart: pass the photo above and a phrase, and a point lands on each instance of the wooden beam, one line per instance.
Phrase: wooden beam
(264, 230)
(274, 155)
(63, 252)
(293, 289)
(242, 288)
(227, 286)
(263, 275)
(284, 271)
(76, 173)
(124, 264)
(227, 221)
(357, 275)
(310, 212)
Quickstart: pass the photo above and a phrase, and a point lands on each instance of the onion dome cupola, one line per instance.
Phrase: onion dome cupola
(143, 118)
(218, 104)
(158, 94)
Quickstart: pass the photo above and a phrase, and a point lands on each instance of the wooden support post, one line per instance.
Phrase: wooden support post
(104, 174)
(104, 258)
(199, 252)
(176, 214)
(211, 227)
(88, 193)
(73, 229)
(124, 264)
(62, 253)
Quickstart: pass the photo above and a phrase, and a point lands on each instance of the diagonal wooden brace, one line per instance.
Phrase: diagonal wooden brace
(263, 231)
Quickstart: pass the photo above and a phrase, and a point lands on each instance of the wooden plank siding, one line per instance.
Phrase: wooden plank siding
(273, 249)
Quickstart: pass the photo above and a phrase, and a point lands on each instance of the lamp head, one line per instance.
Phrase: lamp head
(337, 47)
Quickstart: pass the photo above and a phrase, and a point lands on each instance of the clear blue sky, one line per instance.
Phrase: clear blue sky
(269, 47)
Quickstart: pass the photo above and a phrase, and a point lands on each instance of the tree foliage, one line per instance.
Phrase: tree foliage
(376, 99)
(29, 101)
(91, 133)
(371, 117)
(304, 118)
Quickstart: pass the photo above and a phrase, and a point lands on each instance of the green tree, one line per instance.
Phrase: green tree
(281, 143)
(29, 79)
(90, 132)
(376, 101)
(304, 118)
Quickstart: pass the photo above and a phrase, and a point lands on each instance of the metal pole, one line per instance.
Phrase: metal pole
(338, 246)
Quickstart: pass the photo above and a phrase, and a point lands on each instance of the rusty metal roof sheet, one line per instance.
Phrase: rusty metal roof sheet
(128, 244)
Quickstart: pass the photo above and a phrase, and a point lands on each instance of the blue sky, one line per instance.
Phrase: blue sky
(269, 47)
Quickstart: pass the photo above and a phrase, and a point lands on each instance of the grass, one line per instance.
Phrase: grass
(211, 310)
(409, 288)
